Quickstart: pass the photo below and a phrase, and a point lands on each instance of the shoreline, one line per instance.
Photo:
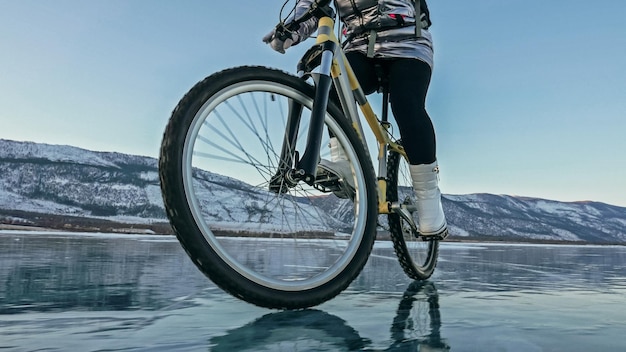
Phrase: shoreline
(147, 232)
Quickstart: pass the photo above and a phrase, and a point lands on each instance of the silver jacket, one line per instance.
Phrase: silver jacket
(361, 17)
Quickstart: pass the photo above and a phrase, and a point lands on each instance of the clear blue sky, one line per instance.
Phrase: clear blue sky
(528, 97)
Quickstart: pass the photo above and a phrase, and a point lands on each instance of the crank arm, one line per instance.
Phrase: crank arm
(404, 211)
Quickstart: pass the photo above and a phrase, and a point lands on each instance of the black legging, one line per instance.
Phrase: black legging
(408, 84)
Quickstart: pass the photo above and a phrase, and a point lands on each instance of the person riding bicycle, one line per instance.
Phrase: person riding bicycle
(383, 34)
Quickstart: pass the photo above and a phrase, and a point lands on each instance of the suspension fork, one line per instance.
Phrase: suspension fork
(384, 207)
(290, 169)
(307, 165)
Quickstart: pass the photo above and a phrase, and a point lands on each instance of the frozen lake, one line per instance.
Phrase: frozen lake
(82, 292)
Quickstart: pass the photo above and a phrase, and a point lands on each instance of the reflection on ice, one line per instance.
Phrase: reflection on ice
(415, 327)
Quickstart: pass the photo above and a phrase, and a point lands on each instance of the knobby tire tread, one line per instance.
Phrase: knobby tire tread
(395, 228)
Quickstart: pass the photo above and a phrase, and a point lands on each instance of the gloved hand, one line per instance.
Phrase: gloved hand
(278, 44)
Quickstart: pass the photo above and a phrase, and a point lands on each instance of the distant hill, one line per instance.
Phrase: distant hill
(71, 188)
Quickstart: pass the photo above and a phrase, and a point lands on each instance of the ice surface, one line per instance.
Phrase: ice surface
(67, 291)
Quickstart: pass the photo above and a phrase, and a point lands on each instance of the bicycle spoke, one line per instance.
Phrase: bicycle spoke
(226, 151)
(234, 142)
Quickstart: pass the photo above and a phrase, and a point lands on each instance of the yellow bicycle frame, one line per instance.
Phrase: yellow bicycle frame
(350, 91)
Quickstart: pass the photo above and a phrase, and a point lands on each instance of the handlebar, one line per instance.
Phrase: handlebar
(318, 9)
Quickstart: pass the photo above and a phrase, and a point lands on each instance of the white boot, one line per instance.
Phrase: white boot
(432, 220)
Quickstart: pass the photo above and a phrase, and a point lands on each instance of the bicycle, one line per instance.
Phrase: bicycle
(244, 195)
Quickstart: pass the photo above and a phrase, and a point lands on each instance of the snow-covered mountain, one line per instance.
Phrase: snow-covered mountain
(536, 219)
(66, 180)
(38, 181)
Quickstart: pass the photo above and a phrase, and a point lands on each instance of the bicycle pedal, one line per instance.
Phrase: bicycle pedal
(326, 178)
(327, 182)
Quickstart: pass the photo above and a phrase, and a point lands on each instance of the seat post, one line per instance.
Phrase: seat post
(382, 156)
(383, 87)
(385, 112)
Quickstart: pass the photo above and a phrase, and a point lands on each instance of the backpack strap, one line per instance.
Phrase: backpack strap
(421, 8)
(418, 18)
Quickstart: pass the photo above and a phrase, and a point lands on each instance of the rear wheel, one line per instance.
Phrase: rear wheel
(255, 232)
(417, 257)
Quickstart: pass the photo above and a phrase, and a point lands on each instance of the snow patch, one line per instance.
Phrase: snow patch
(565, 235)
(56, 153)
(457, 231)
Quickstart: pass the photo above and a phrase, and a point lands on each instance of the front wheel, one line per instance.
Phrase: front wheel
(257, 233)
(417, 257)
